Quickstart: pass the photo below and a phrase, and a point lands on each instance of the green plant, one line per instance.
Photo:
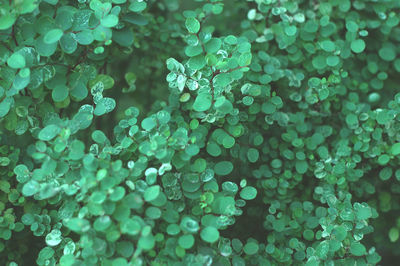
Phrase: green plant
(190, 133)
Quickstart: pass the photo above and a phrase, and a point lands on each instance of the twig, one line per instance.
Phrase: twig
(13, 35)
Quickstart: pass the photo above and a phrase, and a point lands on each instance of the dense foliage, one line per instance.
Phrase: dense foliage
(199, 132)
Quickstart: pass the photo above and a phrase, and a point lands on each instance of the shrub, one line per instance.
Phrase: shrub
(207, 132)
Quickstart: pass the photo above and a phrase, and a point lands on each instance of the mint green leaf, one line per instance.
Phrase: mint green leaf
(340, 233)
(49, 132)
(363, 211)
(146, 242)
(223, 168)
(395, 149)
(248, 193)
(186, 241)
(102, 223)
(245, 59)
(68, 43)
(393, 234)
(60, 93)
(16, 60)
(45, 49)
(53, 238)
(192, 25)
(148, 123)
(105, 105)
(202, 102)
(213, 45)
(7, 20)
(109, 21)
(209, 234)
(196, 62)
(328, 46)
(30, 188)
(251, 248)
(136, 19)
(5, 106)
(137, 6)
(123, 37)
(357, 46)
(84, 37)
(357, 249)
(77, 225)
(53, 36)
(130, 227)
(387, 52)
(151, 193)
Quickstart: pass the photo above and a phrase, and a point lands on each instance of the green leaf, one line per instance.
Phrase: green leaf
(105, 105)
(213, 45)
(248, 193)
(49, 132)
(106, 80)
(60, 93)
(202, 102)
(77, 150)
(301, 167)
(30, 188)
(393, 234)
(192, 25)
(328, 46)
(245, 59)
(45, 49)
(136, 19)
(130, 227)
(351, 26)
(46, 253)
(109, 21)
(84, 37)
(332, 61)
(151, 193)
(383, 159)
(308, 234)
(363, 211)
(146, 242)
(68, 43)
(251, 248)
(223, 105)
(357, 249)
(351, 119)
(186, 241)
(7, 20)
(123, 37)
(102, 223)
(387, 52)
(53, 36)
(196, 62)
(148, 123)
(223, 168)
(253, 155)
(137, 5)
(291, 30)
(53, 238)
(117, 194)
(340, 233)
(357, 46)
(209, 234)
(98, 197)
(395, 149)
(77, 225)
(16, 60)
(222, 80)
(5, 106)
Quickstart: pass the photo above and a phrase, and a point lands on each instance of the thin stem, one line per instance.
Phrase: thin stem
(13, 35)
